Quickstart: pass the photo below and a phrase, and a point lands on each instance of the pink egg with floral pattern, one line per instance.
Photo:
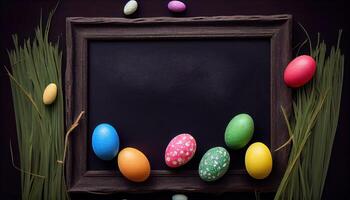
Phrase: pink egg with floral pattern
(180, 150)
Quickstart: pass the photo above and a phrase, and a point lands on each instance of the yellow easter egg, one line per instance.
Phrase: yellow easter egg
(50, 94)
(258, 160)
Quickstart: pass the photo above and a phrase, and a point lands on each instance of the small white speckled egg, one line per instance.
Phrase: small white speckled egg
(50, 94)
(130, 7)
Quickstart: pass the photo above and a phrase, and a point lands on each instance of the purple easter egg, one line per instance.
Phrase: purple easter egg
(176, 6)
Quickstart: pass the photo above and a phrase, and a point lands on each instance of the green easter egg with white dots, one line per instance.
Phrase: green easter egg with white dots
(214, 164)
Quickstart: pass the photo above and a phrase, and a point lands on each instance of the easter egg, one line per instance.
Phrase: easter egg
(258, 160)
(214, 164)
(180, 150)
(239, 131)
(176, 6)
(105, 141)
(130, 7)
(179, 197)
(133, 164)
(50, 94)
(299, 71)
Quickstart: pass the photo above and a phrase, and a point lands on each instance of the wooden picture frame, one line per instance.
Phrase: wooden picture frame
(276, 28)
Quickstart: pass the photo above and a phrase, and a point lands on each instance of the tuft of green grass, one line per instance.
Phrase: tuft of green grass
(312, 126)
(40, 129)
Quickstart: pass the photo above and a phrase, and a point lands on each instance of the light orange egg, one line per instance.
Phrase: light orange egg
(133, 164)
(50, 94)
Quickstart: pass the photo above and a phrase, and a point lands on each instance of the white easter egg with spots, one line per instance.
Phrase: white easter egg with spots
(180, 150)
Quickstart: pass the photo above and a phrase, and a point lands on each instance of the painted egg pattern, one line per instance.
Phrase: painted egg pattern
(214, 164)
(180, 150)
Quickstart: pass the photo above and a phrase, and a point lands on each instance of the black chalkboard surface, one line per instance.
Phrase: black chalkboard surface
(155, 78)
(153, 90)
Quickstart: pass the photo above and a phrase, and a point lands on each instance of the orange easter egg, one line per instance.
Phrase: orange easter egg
(133, 164)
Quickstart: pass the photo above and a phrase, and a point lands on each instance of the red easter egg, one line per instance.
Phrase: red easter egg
(180, 150)
(299, 71)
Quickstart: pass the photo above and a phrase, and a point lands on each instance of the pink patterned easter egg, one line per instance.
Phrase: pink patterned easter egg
(180, 150)
(176, 6)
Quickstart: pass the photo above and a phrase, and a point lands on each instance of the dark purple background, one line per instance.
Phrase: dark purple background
(324, 16)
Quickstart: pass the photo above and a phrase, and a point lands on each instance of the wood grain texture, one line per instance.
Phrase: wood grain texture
(277, 28)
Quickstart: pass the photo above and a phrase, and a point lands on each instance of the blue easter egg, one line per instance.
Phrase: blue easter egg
(105, 141)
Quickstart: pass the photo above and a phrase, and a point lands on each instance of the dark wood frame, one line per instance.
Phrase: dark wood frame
(277, 28)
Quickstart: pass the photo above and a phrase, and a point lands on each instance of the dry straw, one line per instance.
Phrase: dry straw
(313, 125)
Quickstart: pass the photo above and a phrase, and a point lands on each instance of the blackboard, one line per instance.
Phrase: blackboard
(154, 78)
(153, 90)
